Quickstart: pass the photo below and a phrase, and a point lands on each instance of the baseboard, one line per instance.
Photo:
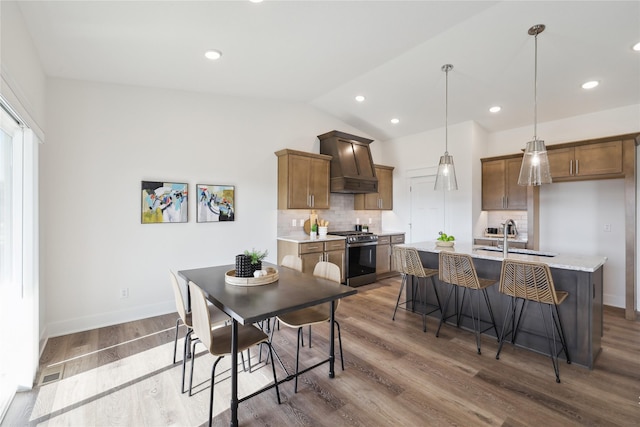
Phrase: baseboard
(80, 324)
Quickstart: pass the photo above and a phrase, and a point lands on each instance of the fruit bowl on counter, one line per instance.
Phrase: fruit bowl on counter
(445, 241)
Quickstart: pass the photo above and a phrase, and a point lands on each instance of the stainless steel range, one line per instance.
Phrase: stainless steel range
(360, 263)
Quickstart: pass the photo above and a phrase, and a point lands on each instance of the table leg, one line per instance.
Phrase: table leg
(331, 341)
(234, 373)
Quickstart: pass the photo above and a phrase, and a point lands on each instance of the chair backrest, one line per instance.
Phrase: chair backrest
(177, 292)
(398, 259)
(457, 269)
(200, 315)
(329, 271)
(292, 261)
(528, 280)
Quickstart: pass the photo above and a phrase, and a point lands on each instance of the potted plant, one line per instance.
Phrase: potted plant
(249, 262)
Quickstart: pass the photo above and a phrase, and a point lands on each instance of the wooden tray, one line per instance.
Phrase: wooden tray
(231, 279)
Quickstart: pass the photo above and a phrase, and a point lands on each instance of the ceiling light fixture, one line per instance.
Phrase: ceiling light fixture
(636, 47)
(446, 177)
(213, 54)
(360, 98)
(590, 85)
(535, 163)
(495, 109)
(395, 121)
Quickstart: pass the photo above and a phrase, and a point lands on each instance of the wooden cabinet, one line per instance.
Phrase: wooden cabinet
(500, 189)
(312, 253)
(303, 180)
(383, 199)
(384, 253)
(588, 161)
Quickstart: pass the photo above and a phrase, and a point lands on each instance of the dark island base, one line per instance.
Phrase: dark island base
(581, 312)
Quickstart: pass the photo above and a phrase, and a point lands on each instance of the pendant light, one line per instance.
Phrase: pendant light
(446, 177)
(535, 163)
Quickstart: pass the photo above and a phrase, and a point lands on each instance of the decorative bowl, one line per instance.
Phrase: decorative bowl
(445, 244)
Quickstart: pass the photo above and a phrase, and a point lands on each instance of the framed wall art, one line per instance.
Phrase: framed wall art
(215, 203)
(164, 202)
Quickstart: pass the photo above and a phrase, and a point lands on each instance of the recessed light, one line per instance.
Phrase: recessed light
(213, 54)
(360, 98)
(590, 85)
(495, 109)
(395, 121)
(636, 47)
(255, 1)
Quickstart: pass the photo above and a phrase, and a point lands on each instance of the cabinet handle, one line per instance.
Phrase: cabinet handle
(570, 167)
(313, 200)
(309, 200)
(577, 167)
(506, 202)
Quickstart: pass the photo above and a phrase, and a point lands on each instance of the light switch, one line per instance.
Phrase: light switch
(607, 228)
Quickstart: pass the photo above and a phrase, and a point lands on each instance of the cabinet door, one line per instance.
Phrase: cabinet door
(516, 195)
(383, 259)
(299, 174)
(319, 183)
(337, 257)
(598, 159)
(385, 188)
(561, 162)
(309, 261)
(493, 185)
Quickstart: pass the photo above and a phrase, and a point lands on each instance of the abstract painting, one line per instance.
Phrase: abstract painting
(164, 202)
(215, 203)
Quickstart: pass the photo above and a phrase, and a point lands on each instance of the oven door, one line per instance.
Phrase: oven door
(361, 264)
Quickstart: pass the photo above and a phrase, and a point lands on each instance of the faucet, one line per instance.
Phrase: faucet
(505, 244)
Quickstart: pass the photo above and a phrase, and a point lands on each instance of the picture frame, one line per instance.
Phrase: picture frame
(215, 203)
(164, 202)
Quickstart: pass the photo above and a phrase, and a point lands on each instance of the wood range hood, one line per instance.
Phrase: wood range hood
(352, 170)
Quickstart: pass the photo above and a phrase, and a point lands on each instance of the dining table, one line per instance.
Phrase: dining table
(293, 290)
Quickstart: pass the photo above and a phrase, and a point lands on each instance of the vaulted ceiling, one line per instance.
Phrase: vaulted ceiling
(324, 53)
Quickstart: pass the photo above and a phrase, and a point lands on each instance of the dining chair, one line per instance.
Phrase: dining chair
(313, 315)
(527, 282)
(218, 317)
(218, 340)
(407, 262)
(459, 271)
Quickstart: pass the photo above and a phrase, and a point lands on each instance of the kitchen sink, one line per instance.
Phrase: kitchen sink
(517, 251)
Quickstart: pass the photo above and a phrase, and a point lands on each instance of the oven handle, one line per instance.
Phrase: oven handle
(357, 245)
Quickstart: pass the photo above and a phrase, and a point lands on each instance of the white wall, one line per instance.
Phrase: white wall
(419, 154)
(572, 215)
(102, 140)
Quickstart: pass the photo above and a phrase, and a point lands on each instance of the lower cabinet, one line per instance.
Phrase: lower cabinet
(497, 242)
(312, 253)
(384, 252)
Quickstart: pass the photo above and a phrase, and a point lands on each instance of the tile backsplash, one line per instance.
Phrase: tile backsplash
(497, 218)
(341, 216)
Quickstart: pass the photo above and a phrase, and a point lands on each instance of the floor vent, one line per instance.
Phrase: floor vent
(51, 374)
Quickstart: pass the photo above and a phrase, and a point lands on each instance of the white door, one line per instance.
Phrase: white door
(427, 209)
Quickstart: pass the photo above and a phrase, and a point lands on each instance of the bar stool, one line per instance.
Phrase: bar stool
(528, 281)
(408, 263)
(459, 271)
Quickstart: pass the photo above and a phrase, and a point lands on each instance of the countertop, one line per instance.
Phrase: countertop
(305, 238)
(519, 238)
(564, 261)
(389, 233)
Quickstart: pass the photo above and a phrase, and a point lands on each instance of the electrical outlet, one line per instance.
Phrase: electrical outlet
(607, 228)
(124, 293)
(293, 222)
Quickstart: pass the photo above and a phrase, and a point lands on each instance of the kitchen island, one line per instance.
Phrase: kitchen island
(581, 312)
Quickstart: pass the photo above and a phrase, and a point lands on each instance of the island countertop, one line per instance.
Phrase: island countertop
(587, 263)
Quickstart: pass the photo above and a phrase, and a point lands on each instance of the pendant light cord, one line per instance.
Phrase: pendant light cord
(446, 112)
(535, 91)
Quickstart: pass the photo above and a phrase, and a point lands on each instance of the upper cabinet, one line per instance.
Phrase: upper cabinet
(500, 189)
(383, 199)
(586, 161)
(303, 180)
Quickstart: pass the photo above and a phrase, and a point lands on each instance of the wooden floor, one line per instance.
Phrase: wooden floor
(395, 375)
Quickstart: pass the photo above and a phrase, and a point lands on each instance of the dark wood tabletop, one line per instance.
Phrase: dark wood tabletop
(250, 304)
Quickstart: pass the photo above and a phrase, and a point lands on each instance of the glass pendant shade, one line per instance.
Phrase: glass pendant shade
(535, 164)
(446, 177)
